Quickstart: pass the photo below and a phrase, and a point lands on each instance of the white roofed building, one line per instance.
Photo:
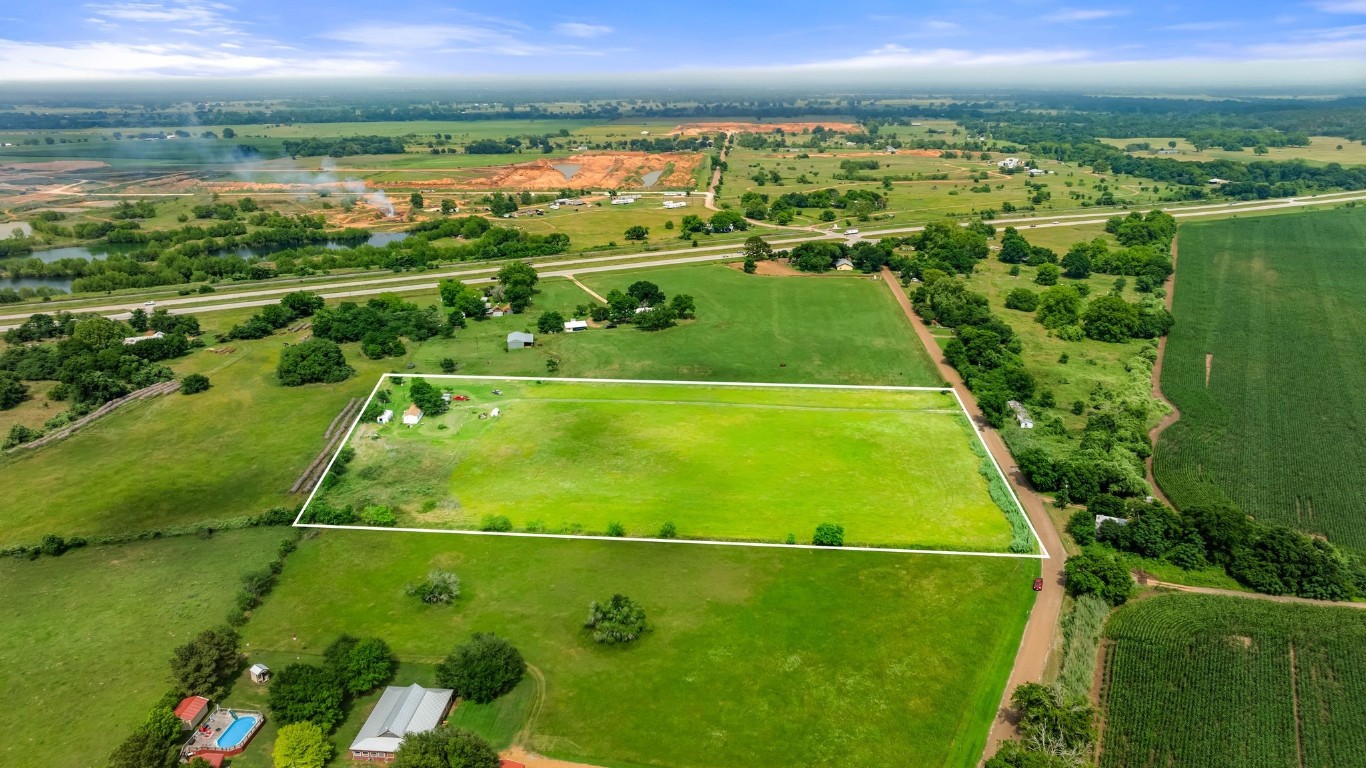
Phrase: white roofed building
(400, 711)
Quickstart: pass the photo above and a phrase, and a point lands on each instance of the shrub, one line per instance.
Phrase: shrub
(302, 692)
(620, 620)
(1022, 299)
(193, 384)
(1082, 527)
(448, 365)
(441, 587)
(668, 530)
(828, 535)
(446, 747)
(1100, 573)
(378, 515)
(313, 361)
(360, 665)
(483, 669)
(499, 523)
(616, 529)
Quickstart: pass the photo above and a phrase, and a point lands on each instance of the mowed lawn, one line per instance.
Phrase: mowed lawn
(86, 638)
(893, 468)
(1271, 311)
(232, 451)
(757, 657)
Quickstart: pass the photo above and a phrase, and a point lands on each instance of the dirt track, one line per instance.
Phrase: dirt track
(1150, 582)
(1175, 413)
(1037, 642)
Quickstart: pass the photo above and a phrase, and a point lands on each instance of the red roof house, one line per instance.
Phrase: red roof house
(191, 710)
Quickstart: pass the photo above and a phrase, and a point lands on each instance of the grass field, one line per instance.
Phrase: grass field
(826, 330)
(893, 468)
(228, 452)
(1202, 681)
(1321, 150)
(1270, 310)
(86, 638)
(757, 657)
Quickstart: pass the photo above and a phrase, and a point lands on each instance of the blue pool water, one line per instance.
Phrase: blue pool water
(233, 735)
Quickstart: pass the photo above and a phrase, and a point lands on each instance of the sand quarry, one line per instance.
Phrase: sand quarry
(609, 170)
(696, 129)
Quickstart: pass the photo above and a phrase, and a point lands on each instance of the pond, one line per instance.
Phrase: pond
(102, 251)
(567, 170)
(649, 179)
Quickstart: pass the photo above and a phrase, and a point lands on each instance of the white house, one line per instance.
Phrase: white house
(1009, 162)
(675, 204)
(571, 326)
(148, 335)
(1021, 414)
(386, 417)
(413, 415)
(623, 200)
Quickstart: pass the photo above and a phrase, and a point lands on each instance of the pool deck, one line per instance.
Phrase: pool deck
(204, 738)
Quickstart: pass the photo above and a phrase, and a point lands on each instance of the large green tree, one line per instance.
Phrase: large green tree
(154, 744)
(301, 745)
(202, 666)
(313, 361)
(302, 692)
(483, 669)
(446, 747)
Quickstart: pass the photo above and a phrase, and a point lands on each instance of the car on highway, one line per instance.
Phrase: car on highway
(1038, 585)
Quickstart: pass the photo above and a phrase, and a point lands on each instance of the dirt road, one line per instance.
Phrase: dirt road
(1037, 642)
(1151, 582)
(1175, 413)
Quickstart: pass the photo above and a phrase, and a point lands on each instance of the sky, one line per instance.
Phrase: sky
(1264, 43)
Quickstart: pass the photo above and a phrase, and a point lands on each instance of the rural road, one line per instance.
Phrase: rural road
(1175, 413)
(427, 281)
(1037, 642)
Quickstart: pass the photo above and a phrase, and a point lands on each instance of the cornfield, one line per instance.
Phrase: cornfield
(1267, 367)
(1204, 681)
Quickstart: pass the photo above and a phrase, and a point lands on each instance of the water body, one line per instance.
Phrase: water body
(649, 179)
(102, 251)
(567, 170)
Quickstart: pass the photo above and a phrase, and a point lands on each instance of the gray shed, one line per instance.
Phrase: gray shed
(519, 340)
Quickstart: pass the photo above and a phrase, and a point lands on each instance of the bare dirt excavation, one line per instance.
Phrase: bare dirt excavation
(697, 129)
(608, 170)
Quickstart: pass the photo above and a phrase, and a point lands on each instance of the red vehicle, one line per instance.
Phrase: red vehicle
(1038, 585)
(461, 398)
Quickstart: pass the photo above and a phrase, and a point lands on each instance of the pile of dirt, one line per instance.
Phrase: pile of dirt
(695, 129)
(596, 170)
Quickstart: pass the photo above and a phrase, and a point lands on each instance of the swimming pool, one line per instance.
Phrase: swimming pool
(235, 734)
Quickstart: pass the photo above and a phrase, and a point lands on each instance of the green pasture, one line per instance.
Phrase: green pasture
(1266, 366)
(232, 451)
(1203, 680)
(86, 638)
(829, 330)
(893, 468)
(862, 657)
(1321, 150)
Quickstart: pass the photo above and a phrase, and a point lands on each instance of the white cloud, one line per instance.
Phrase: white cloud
(448, 38)
(1084, 14)
(893, 56)
(940, 26)
(1342, 6)
(189, 16)
(579, 29)
(1199, 26)
(103, 60)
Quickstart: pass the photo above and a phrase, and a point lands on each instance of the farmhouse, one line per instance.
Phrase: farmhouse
(520, 340)
(148, 335)
(1009, 162)
(386, 417)
(413, 415)
(572, 326)
(400, 711)
(844, 265)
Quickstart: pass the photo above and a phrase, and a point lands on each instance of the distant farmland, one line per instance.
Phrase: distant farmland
(1267, 365)
(1198, 681)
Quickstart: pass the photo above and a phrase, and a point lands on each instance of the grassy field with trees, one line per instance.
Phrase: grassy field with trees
(891, 468)
(1199, 680)
(834, 678)
(1266, 367)
(86, 636)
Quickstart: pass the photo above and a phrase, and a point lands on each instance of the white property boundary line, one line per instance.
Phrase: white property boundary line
(1044, 555)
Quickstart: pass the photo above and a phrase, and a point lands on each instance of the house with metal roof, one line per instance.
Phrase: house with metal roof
(400, 711)
(520, 340)
(412, 416)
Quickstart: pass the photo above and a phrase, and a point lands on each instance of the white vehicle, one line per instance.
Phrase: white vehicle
(851, 231)
(149, 303)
